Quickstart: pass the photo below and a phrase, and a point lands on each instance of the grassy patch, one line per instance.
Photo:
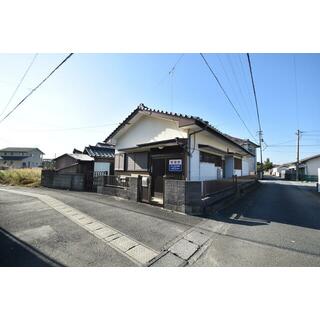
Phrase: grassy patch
(21, 177)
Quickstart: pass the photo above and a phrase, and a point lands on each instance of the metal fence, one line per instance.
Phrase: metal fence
(117, 181)
(302, 177)
(210, 187)
(100, 173)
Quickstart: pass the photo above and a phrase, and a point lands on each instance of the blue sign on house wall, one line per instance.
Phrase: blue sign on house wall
(175, 165)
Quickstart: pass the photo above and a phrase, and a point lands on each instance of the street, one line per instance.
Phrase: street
(275, 225)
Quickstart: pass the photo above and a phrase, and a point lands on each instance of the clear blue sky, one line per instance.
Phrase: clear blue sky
(102, 89)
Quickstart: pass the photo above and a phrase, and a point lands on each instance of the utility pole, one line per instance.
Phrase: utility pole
(298, 155)
(261, 163)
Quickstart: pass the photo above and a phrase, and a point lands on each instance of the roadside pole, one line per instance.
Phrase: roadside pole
(298, 151)
(260, 142)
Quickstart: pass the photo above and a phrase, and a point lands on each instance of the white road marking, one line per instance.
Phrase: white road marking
(137, 252)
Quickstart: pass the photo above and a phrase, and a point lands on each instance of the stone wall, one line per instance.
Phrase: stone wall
(183, 196)
(52, 179)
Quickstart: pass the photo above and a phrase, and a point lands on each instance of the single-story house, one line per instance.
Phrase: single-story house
(158, 145)
(21, 157)
(308, 166)
(74, 163)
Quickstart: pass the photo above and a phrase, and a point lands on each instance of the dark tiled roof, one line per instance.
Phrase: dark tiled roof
(20, 149)
(100, 152)
(240, 141)
(104, 145)
(199, 121)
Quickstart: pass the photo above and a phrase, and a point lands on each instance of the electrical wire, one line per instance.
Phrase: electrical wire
(35, 88)
(226, 95)
(254, 91)
(19, 84)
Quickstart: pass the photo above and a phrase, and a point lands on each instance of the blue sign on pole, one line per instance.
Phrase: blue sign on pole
(175, 165)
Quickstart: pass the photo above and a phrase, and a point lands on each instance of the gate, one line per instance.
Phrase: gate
(88, 181)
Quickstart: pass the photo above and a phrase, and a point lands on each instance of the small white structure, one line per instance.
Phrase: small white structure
(279, 171)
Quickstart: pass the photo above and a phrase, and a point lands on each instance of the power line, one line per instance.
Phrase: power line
(34, 89)
(226, 95)
(19, 84)
(257, 108)
(172, 69)
(294, 145)
(238, 85)
(67, 129)
(296, 89)
(254, 91)
(246, 86)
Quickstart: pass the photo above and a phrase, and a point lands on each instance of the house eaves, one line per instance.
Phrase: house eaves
(183, 121)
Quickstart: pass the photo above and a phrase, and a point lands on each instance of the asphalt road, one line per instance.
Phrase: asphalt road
(276, 225)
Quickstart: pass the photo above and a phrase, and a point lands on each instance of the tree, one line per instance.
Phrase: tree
(267, 165)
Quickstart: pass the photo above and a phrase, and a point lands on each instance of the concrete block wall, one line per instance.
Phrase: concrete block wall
(52, 179)
(130, 193)
(193, 202)
(183, 196)
(174, 195)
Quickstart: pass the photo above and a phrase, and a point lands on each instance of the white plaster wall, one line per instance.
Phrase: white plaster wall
(312, 166)
(248, 165)
(208, 171)
(205, 138)
(245, 166)
(195, 165)
(237, 172)
(216, 142)
(149, 129)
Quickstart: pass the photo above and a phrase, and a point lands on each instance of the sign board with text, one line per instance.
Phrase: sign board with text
(175, 165)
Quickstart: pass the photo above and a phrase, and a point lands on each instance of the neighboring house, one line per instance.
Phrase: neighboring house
(279, 170)
(249, 162)
(21, 157)
(157, 144)
(308, 166)
(74, 163)
(103, 155)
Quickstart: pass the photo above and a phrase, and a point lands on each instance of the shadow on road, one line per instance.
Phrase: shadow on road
(16, 253)
(296, 204)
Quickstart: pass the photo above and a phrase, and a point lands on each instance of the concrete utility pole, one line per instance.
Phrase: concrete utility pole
(298, 155)
(261, 161)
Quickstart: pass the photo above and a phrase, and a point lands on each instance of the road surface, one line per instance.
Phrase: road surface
(276, 225)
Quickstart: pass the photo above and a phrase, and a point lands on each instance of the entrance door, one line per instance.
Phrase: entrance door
(158, 171)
